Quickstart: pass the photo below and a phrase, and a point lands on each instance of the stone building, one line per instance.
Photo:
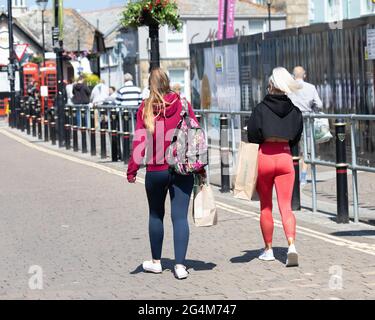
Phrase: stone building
(298, 12)
(200, 24)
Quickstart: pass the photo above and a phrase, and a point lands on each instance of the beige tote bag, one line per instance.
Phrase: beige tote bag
(247, 171)
(204, 206)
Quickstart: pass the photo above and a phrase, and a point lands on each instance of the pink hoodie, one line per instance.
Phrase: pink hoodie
(165, 125)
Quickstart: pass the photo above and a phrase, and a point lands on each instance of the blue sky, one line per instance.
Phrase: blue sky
(84, 5)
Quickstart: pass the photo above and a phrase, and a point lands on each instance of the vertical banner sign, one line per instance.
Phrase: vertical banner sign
(61, 19)
(230, 18)
(220, 33)
(59, 16)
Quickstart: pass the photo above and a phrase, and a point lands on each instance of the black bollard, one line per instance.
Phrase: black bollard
(103, 143)
(126, 137)
(28, 128)
(53, 126)
(46, 124)
(33, 122)
(22, 122)
(39, 120)
(224, 154)
(19, 110)
(92, 133)
(296, 199)
(22, 115)
(341, 173)
(53, 133)
(83, 130)
(68, 129)
(33, 118)
(40, 133)
(75, 130)
(114, 136)
(119, 139)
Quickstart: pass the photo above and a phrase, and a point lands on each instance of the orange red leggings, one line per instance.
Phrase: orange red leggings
(275, 167)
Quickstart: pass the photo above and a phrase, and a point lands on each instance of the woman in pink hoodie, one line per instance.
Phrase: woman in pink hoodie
(157, 119)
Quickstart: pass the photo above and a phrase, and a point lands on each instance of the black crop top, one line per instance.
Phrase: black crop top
(275, 117)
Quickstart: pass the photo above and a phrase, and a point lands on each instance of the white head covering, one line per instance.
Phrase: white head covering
(283, 80)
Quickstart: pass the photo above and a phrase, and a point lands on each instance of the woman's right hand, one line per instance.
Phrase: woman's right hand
(132, 179)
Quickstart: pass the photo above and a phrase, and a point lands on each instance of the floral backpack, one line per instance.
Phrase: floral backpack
(188, 151)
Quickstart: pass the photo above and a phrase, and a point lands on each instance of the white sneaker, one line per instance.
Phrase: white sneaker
(267, 255)
(180, 271)
(150, 266)
(292, 260)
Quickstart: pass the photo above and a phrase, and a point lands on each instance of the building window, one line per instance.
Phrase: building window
(177, 78)
(256, 26)
(335, 10)
(367, 7)
(104, 60)
(176, 43)
(109, 59)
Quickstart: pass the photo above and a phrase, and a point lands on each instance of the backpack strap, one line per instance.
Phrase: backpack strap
(185, 112)
(185, 108)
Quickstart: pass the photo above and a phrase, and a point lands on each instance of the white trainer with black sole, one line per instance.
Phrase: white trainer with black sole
(180, 272)
(150, 266)
(292, 257)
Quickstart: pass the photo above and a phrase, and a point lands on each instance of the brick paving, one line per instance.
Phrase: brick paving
(87, 230)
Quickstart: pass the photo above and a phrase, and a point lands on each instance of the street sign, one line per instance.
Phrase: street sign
(43, 91)
(3, 68)
(20, 50)
(55, 36)
(370, 52)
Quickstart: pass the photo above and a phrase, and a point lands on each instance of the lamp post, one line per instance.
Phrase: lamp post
(119, 41)
(269, 4)
(42, 4)
(59, 49)
(11, 68)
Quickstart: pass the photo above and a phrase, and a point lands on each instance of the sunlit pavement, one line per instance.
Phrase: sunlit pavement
(71, 227)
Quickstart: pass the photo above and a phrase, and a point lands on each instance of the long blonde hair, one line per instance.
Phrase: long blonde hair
(283, 81)
(159, 86)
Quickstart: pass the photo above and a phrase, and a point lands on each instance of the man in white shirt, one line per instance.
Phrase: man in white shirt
(307, 100)
(100, 93)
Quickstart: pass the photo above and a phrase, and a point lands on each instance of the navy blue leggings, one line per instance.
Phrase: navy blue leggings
(180, 188)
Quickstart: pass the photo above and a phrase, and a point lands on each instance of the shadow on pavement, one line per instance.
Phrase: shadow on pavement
(168, 264)
(250, 255)
(359, 233)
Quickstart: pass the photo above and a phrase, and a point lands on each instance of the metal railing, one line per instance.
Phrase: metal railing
(116, 124)
(342, 120)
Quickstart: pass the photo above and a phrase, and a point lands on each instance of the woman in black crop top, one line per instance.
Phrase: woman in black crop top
(276, 125)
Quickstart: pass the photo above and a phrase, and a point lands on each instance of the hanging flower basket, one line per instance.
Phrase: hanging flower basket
(151, 13)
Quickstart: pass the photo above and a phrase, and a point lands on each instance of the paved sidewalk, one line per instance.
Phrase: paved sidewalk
(87, 229)
(326, 192)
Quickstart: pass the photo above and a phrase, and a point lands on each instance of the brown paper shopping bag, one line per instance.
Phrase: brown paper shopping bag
(247, 171)
(204, 206)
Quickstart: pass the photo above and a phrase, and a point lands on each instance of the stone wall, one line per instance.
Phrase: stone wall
(297, 11)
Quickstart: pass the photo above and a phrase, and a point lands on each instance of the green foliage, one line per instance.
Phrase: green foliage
(148, 12)
(36, 59)
(91, 79)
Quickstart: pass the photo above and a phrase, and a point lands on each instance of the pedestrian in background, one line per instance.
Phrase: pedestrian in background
(157, 116)
(99, 94)
(112, 92)
(81, 92)
(307, 100)
(69, 91)
(129, 95)
(276, 125)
